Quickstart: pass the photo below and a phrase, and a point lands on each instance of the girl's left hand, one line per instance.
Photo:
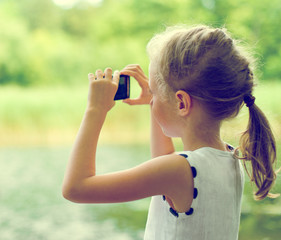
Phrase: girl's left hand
(137, 73)
(102, 89)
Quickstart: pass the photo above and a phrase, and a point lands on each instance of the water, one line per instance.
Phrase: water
(31, 205)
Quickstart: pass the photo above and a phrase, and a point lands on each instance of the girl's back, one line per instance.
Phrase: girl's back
(215, 210)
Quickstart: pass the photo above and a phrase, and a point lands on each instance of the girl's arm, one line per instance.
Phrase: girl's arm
(160, 144)
(166, 175)
(83, 156)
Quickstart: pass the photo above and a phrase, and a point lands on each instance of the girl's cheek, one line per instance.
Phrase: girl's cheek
(151, 102)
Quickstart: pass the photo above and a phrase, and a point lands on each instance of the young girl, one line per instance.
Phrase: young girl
(198, 77)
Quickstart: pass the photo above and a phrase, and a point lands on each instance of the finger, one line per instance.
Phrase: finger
(116, 77)
(91, 77)
(132, 66)
(139, 76)
(132, 69)
(127, 101)
(135, 101)
(99, 74)
(108, 73)
(127, 67)
(128, 72)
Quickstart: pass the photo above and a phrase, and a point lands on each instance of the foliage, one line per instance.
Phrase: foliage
(43, 44)
(52, 115)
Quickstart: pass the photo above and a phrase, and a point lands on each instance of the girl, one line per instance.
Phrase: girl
(198, 77)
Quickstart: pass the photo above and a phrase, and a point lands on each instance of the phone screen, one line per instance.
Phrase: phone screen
(123, 91)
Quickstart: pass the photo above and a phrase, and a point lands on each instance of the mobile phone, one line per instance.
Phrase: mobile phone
(123, 91)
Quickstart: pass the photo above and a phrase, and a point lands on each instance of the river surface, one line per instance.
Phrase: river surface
(32, 208)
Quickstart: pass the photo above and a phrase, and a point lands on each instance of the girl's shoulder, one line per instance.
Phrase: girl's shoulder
(179, 184)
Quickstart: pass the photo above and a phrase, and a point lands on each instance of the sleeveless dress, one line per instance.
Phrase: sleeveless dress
(216, 207)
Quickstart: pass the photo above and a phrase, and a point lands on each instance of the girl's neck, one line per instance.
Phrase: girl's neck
(201, 135)
(198, 129)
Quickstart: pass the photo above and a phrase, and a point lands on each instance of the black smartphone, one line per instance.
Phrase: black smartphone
(123, 91)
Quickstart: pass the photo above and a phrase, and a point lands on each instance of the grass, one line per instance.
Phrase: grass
(52, 115)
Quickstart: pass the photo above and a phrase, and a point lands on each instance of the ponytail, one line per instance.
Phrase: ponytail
(257, 145)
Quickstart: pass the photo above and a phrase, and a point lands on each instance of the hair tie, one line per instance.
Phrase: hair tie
(249, 100)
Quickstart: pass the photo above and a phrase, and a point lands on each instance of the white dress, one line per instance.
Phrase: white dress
(216, 207)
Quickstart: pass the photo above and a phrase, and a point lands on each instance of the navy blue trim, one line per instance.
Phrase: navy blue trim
(174, 212)
(194, 172)
(184, 155)
(189, 212)
(230, 147)
(195, 193)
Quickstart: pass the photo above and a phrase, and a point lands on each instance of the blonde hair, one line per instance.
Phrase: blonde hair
(216, 70)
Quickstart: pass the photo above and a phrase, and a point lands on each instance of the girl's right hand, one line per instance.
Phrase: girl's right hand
(135, 71)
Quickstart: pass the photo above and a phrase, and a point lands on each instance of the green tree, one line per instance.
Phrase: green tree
(42, 43)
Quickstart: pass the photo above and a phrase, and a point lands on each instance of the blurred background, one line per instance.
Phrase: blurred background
(48, 47)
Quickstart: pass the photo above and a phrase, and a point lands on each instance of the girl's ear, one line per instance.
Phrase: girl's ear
(183, 103)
